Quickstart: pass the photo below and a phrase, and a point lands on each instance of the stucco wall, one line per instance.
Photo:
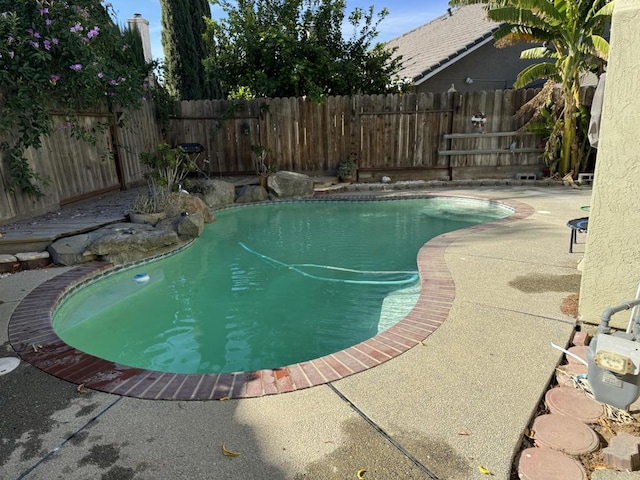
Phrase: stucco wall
(489, 67)
(612, 257)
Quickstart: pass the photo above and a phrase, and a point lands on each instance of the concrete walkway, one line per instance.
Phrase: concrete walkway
(459, 401)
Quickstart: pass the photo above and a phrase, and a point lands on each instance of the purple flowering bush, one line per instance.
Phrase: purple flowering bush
(66, 56)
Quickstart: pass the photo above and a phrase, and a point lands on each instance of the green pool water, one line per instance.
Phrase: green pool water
(266, 286)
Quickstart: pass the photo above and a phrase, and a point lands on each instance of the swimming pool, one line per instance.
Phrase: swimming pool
(266, 286)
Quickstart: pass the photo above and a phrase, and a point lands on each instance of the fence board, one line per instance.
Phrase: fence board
(382, 131)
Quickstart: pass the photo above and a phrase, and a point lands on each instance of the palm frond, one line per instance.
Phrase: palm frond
(535, 72)
(600, 47)
(605, 11)
(537, 53)
(517, 16)
(534, 106)
(542, 9)
(518, 34)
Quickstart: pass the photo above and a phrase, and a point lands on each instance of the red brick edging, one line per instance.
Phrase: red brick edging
(32, 336)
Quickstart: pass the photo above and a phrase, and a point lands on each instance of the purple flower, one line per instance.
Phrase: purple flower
(44, 10)
(48, 22)
(47, 45)
(34, 44)
(76, 67)
(113, 83)
(54, 40)
(93, 32)
(54, 79)
(76, 28)
(100, 75)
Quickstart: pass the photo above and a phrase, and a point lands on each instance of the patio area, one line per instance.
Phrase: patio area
(459, 399)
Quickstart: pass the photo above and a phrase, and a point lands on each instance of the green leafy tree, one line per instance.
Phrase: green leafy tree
(56, 56)
(280, 48)
(183, 27)
(569, 34)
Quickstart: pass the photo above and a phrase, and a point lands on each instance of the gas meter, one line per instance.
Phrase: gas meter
(614, 359)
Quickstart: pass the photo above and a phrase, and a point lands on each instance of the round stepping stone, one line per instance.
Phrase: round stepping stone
(573, 403)
(565, 434)
(547, 464)
(566, 373)
(580, 351)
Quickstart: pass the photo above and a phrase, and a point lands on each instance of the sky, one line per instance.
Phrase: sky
(404, 16)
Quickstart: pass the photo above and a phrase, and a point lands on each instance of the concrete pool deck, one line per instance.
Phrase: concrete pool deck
(458, 400)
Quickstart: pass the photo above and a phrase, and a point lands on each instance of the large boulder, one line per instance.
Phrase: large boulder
(72, 250)
(215, 193)
(290, 184)
(182, 202)
(251, 194)
(190, 226)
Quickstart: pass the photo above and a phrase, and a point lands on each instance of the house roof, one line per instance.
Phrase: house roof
(434, 46)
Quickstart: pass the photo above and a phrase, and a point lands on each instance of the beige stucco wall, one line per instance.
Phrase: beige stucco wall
(612, 258)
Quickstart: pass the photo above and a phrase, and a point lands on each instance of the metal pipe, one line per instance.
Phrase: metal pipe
(608, 312)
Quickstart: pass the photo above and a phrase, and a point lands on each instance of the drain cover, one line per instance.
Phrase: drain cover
(8, 364)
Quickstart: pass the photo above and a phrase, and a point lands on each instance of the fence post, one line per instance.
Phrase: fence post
(115, 145)
(452, 104)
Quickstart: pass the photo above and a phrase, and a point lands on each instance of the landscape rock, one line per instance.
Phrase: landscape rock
(180, 202)
(72, 250)
(252, 194)
(190, 226)
(290, 184)
(215, 193)
(126, 238)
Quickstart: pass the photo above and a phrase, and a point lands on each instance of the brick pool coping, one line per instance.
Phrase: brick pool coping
(32, 336)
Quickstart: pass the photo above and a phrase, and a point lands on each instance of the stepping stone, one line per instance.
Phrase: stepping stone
(580, 351)
(547, 464)
(573, 403)
(566, 373)
(565, 434)
(31, 260)
(623, 452)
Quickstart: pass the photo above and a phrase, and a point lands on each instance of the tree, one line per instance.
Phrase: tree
(183, 26)
(279, 48)
(57, 56)
(570, 35)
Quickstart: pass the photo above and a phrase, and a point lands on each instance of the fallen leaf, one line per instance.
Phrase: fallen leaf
(229, 453)
(464, 432)
(81, 389)
(530, 434)
(361, 473)
(224, 399)
(484, 471)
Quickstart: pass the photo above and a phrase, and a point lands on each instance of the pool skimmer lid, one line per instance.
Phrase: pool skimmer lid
(8, 364)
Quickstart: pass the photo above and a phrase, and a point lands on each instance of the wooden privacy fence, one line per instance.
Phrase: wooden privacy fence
(408, 134)
(73, 169)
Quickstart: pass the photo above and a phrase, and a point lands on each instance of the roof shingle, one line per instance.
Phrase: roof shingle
(440, 41)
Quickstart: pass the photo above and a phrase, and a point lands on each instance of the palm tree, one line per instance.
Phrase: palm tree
(571, 34)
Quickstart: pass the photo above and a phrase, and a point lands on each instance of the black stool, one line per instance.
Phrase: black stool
(577, 225)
